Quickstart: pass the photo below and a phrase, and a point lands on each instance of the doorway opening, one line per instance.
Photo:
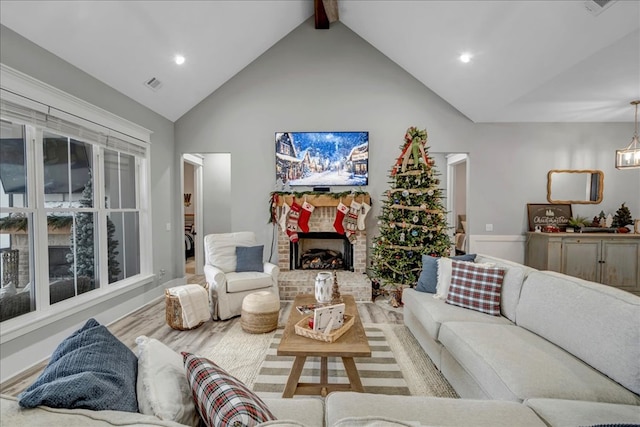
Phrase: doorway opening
(192, 213)
(457, 216)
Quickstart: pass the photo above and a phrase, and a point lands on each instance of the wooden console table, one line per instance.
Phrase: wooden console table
(609, 258)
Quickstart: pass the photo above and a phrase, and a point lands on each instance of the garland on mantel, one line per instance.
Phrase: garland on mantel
(275, 195)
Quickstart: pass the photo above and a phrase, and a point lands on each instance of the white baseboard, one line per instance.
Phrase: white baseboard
(509, 247)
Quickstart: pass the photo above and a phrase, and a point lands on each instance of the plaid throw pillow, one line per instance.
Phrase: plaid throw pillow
(475, 287)
(221, 399)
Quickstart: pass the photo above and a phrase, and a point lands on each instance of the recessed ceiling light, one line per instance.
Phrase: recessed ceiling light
(465, 57)
(179, 59)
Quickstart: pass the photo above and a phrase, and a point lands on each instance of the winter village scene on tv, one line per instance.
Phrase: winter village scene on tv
(322, 158)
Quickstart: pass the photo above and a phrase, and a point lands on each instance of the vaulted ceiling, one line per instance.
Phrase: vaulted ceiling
(531, 61)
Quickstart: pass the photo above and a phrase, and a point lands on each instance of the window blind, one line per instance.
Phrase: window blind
(19, 109)
(28, 112)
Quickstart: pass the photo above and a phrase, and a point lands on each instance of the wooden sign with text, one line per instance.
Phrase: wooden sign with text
(553, 215)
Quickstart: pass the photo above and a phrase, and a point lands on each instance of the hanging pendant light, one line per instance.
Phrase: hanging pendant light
(629, 158)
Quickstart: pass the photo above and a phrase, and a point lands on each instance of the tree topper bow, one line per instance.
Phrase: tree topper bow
(414, 147)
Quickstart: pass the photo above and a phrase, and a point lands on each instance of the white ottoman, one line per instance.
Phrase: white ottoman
(260, 312)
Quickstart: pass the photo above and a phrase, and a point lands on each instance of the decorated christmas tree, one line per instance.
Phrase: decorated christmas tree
(412, 222)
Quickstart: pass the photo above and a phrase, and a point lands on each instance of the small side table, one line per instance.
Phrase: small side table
(260, 312)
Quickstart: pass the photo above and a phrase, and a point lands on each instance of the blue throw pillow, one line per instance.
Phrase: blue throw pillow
(429, 275)
(90, 369)
(249, 258)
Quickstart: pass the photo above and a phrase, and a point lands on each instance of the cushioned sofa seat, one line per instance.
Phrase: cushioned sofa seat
(511, 363)
(423, 410)
(424, 316)
(306, 411)
(599, 324)
(247, 281)
(432, 313)
(15, 416)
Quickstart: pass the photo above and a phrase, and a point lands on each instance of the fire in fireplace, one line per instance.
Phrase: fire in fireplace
(321, 259)
(321, 251)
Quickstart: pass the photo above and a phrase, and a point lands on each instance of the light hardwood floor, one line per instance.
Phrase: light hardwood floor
(150, 320)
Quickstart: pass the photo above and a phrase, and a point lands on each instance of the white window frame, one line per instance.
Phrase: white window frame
(21, 89)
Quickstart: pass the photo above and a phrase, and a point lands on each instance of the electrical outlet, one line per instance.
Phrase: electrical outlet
(488, 227)
(161, 273)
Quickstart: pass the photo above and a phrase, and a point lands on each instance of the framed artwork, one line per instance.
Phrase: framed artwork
(331, 316)
(548, 217)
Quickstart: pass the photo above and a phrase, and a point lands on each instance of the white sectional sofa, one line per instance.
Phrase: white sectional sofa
(558, 340)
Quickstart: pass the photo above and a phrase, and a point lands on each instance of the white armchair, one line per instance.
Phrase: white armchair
(228, 287)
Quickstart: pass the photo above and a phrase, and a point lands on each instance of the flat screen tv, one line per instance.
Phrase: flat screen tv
(322, 159)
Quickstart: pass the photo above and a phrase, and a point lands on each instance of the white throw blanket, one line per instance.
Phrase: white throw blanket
(194, 301)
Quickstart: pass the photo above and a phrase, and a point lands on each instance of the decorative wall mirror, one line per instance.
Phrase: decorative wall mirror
(575, 186)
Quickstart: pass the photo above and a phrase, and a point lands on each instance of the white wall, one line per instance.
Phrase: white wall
(218, 198)
(334, 80)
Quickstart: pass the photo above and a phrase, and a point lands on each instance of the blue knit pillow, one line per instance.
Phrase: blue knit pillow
(90, 369)
(249, 258)
(429, 275)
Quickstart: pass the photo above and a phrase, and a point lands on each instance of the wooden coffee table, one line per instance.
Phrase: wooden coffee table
(352, 344)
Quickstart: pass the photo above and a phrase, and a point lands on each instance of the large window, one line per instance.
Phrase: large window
(71, 212)
(70, 172)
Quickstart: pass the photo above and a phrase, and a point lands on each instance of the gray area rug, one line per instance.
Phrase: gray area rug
(379, 373)
(398, 364)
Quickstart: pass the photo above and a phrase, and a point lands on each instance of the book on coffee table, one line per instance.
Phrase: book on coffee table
(306, 308)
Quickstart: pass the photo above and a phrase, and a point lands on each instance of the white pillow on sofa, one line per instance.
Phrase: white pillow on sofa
(445, 267)
(162, 387)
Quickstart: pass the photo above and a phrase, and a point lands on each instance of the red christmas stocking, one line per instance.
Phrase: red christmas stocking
(292, 222)
(352, 220)
(305, 214)
(342, 211)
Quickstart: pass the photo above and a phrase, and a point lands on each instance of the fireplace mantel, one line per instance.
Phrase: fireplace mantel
(320, 200)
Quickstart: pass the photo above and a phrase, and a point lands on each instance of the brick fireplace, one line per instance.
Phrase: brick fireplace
(353, 280)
